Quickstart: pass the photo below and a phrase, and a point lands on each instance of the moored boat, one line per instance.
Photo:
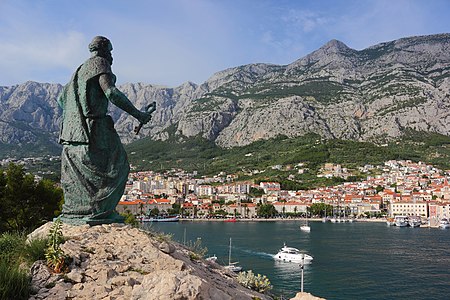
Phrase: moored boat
(232, 266)
(160, 219)
(390, 222)
(212, 258)
(401, 221)
(305, 228)
(414, 221)
(231, 220)
(444, 224)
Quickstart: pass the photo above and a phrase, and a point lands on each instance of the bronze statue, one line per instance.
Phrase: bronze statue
(94, 164)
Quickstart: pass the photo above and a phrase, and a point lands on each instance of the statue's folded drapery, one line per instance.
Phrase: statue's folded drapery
(94, 165)
(94, 175)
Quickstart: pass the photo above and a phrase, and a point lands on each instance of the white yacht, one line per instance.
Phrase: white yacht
(414, 221)
(401, 221)
(289, 254)
(444, 224)
(305, 228)
(232, 266)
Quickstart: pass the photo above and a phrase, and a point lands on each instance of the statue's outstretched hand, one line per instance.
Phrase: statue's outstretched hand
(144, 117)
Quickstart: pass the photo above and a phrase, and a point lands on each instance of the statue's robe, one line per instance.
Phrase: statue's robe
(94, 164)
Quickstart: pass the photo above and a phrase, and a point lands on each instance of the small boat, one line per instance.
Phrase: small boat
(414, 221)
(305, 227)
(160, 219)
(401, 221)
(325, 219)
(290, 254)
(212, 258)
(232, 266)
(231, 220)
(390, 222)
(444, 224)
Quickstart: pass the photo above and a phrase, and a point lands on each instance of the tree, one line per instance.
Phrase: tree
(154, 212)
(176, 208)
(256, 192)
(25, 204)
(266, 210)
(320, 209)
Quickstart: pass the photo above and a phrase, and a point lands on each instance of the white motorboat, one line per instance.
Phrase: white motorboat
(305, 228)
(444, 224)
(290, 254)
(232, 266)
(414, 221)
(212, 258)
(401, 221)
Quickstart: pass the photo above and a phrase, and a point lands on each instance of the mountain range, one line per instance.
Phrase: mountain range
(375, 94)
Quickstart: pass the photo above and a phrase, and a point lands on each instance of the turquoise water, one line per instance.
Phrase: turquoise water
(351, 261)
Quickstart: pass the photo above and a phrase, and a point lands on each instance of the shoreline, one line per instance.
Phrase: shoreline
(273, 220)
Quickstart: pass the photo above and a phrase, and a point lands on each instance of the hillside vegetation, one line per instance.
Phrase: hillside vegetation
(256, 160)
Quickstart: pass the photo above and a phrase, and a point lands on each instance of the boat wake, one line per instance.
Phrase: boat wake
(258, 253)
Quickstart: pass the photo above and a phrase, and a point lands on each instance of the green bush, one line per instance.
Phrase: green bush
(11, 245)
(14, 282)
(259, 283)
(35, 250)
(198, 251)
(130, 218)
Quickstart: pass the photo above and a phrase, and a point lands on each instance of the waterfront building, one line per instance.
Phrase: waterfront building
(408, 208)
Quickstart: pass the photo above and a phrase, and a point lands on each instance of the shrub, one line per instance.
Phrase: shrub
(198, 251)
(14, 282)
(259, 283)
(35, 250)
(130, 218)
(11, 244)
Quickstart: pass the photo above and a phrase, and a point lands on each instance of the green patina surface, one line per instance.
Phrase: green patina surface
(94, 164)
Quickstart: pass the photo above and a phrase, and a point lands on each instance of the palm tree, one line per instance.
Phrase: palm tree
(245, 210)
(141, 207)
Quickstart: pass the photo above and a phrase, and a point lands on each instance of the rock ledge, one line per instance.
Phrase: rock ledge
(120, 262)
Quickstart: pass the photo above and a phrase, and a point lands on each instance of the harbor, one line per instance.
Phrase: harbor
(359, 260)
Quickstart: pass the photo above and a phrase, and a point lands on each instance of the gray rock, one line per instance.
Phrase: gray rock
(140, 269)
(335, 91)
(167, 248)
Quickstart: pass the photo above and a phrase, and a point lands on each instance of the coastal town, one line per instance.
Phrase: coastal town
(401, 188)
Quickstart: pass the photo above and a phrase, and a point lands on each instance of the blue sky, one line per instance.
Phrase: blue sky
(169, 42)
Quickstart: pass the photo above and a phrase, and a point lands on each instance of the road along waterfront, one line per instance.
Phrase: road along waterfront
(362, 260)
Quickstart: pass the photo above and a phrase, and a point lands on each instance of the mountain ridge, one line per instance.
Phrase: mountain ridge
(373, 94)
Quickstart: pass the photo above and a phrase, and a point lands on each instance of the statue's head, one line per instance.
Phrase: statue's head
(101, 46)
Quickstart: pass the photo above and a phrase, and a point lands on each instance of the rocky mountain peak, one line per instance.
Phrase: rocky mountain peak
(337, 92)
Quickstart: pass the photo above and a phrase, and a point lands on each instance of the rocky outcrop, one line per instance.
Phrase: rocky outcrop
(120, 262)
(338, 92)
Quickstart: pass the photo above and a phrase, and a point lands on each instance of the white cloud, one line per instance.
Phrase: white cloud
(304, 20)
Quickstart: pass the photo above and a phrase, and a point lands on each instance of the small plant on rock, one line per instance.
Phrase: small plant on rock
(54, 254)
(259, 283)
(197, 250)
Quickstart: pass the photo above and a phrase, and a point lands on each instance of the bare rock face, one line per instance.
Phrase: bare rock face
(335, 91)
(120, 262)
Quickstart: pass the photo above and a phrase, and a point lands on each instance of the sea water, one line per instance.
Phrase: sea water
(358, 260)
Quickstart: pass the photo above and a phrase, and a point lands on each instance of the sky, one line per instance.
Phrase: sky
(169, 42)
